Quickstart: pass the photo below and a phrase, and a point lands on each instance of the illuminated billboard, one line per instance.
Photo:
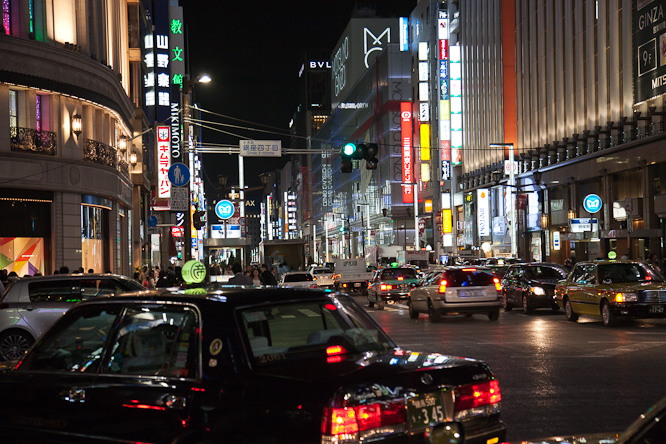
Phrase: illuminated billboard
(407, 163)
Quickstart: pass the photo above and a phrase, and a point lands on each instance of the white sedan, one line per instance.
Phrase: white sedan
(323, 276)
(297, 279)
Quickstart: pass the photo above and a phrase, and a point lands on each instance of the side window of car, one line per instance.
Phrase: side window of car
(156, 341)
(91, 288)
(577, 274)
(74, 346)
(60, 290)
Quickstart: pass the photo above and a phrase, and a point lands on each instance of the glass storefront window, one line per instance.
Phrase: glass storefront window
(94, 232)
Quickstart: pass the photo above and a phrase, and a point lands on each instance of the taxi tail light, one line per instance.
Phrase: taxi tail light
(351, 420)
(442, 286)
(477, 395)
(498, 285)
(384, 287)
(400, 278)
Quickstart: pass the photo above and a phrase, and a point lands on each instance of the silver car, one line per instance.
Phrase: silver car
(457, 290)
(31, 305)
(323, 276)
(297, 279)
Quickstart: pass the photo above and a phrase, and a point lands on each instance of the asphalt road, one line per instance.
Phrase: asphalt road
(557, 377)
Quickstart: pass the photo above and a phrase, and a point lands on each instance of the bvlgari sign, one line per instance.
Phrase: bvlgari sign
(359, 45)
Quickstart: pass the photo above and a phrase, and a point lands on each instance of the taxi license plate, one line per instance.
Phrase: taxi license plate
(357, 284)
(425, 410)
(656, 309)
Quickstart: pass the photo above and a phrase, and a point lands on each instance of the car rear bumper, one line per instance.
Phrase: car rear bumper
(466, 307)
(393, 296)
(642, 311)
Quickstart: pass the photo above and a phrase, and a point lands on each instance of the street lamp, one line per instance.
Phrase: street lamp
(186, 90)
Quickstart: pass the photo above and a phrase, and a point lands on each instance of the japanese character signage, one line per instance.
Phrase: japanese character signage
(261, 148)
(407, 165)
(649, 39)
(163, 162)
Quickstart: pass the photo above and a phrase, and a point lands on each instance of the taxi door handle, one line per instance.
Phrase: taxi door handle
(75, 394)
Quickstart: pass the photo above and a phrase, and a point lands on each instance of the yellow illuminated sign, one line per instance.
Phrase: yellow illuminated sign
(447, 221)
(427, 206)
(425, 142)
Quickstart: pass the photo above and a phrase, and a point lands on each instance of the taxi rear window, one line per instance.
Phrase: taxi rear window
(395, 273)
(472, 277)
(306, 329)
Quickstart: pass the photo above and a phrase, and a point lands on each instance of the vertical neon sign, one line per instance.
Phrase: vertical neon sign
(407, 164)
(163, 162)
(444, 102)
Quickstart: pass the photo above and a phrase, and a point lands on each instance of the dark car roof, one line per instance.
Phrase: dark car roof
(230, 295)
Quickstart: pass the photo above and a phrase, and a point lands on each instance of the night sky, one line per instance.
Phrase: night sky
(253, 51)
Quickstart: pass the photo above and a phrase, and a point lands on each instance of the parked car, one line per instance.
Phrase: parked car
(324, 277)
(612, 290)
(648, 428)
(297, 279)
(532, 285)
(240, 365)
(391, 285)
(457, 290)
(31, 305)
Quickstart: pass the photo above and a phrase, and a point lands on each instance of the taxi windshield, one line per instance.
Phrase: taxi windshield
(306, 329)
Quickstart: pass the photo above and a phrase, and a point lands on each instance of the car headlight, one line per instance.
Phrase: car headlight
(626, 297)
(538, 291)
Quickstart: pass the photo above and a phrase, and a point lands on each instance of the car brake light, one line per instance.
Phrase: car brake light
(442, 286)
(469, 269)
(384, 287)
(335, 350)
(477, 395)
(351, 420)
(400, 278)
(498, 285)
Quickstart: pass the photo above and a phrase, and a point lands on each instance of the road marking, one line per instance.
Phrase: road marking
(628, 348)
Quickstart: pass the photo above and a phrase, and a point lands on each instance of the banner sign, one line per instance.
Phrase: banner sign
(406, 133)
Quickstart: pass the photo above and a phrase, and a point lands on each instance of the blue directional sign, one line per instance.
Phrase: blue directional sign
(592, 203)
(152, 221)
(179, 174)
(224, 209)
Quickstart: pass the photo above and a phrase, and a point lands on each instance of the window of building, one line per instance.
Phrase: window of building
(6, 16)
(38, 116)
(13, 112)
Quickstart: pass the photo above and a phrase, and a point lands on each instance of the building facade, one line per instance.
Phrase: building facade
(69, 151)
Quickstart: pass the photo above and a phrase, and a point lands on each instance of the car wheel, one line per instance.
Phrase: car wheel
(568, 311)
(493, 315)
(433, 314)
(14, 344)
(607, 316)
(413, 314)
(380, 305)
(527, 307)
(505, 303)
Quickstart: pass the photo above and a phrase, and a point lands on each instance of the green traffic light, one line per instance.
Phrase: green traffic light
(348, 149)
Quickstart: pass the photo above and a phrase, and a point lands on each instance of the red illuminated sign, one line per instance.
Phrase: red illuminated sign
(176, 231)
(163, 162)
(407, 165)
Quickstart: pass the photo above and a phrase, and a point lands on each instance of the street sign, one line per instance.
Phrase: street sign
(260, 148)
(179, 174)
(583, 224)
(152, 221)
(592, 203)
(180, 199)
(224, 209)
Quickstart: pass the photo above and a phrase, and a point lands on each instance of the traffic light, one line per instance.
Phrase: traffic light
(198, 219)
(371, 151)
(346, 153)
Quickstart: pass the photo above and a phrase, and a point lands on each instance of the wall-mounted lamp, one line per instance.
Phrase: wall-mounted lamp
(133, 159)
(572, 214)
(544, 221)
(76, 124)
(122, 144)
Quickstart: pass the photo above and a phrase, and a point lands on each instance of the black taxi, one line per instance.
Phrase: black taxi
(240, 365)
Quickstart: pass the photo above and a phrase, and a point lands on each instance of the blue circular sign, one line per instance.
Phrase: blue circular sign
(592, 203)
(179, 174)
(224, 209)
(152, 221)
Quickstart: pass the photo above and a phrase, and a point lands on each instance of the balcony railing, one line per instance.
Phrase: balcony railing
(103, 154)
(32, 141)
(100, 153)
